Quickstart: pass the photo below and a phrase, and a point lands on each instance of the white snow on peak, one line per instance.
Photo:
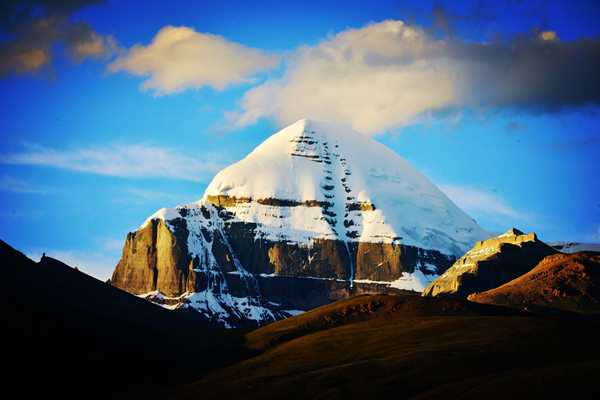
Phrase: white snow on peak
(165, 214)
(326, 162)
(574, 247)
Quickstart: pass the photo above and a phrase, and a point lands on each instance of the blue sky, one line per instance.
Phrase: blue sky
(103, 123)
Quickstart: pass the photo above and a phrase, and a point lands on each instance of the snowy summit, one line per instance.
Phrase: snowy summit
(375, 195)
(317, 210)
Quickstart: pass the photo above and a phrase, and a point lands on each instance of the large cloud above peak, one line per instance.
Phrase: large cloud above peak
(388, 74)
(180, 58)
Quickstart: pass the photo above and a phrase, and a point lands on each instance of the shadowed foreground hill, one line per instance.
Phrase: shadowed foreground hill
(568, 282)
(364, 308)
(70, 335)
(427, 348)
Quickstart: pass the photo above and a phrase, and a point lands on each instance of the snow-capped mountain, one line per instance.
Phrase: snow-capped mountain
(574, 247)
(315, 213)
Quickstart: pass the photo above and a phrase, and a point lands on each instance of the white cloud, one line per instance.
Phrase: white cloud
(374, 77)
(180, 58)
(389, 74)
(123, 160)
(483, 205)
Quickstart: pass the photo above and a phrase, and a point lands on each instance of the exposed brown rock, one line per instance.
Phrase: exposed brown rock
(329, 258)
(360, 206)
(564, 281)
(231, 201)
(387, 262)
(155, 258)
(226, 201)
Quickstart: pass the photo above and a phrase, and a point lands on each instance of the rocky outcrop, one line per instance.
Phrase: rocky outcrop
(490, 263)
(569, 282)
(156, 258)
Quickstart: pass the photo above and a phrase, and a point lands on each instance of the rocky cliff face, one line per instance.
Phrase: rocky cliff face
(490, 263)
(316, 213)
(156, 258)
(219, 268)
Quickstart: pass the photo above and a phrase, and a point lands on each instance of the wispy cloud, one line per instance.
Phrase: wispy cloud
(145, 194)
(179, 58)
(389, 74)
(122, 160)
(13, 185)
(483, 205)
(595, 236)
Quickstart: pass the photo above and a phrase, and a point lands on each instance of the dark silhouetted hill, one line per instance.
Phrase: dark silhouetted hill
(70, 335)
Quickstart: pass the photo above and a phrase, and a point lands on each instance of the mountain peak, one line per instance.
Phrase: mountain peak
(317, 206)
(512, 232)
(369, 192)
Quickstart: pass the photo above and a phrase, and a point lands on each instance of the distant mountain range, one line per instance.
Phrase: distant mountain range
(316, 213)
(574, 247)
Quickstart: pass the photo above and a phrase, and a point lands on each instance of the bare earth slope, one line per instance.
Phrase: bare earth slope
(564, 281)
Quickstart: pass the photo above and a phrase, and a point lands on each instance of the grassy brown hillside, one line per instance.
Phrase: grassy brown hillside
(381, 307)
(563, 281)
(388, 347)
